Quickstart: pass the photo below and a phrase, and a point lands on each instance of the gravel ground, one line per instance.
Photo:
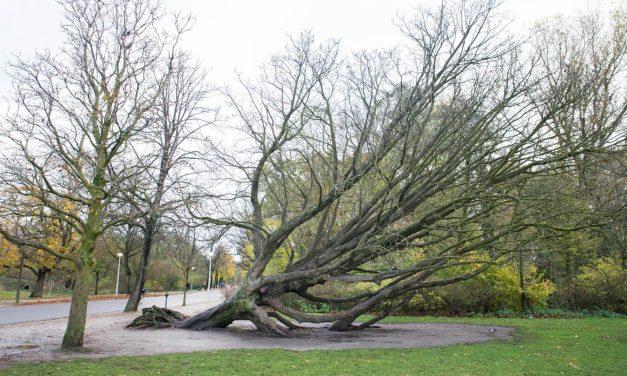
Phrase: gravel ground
(106, 335)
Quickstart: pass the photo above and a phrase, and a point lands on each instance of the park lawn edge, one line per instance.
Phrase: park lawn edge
(535, 336)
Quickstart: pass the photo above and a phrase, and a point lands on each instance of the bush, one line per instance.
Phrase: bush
(166, 282)
(310, 307)
(598, 290)
(551, 313)
(427, 301)
(304, 305)
(599, 286)
(498, 288)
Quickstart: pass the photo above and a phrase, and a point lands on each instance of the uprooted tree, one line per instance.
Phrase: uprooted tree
(424, 153)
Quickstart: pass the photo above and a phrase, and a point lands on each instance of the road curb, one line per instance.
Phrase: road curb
(91, 298)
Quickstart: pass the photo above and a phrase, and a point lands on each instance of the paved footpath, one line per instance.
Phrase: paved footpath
(45, 311)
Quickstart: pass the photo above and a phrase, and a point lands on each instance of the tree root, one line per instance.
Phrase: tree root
(265, 324)
(157, 318)
(266, 321)
(269, 316)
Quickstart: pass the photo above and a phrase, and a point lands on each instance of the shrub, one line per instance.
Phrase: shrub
(599, 290)
(310, 307)
(427, 301)
(551, 313)
(166, 282)
(601, 285)
(498, 288)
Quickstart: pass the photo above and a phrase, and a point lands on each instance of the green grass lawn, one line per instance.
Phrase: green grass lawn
(591, 346)
(24, 294)
(10, 295)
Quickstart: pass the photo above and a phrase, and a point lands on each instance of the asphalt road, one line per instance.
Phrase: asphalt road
(35, 312)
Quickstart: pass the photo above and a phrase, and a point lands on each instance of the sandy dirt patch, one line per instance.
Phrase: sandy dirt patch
(106, 335)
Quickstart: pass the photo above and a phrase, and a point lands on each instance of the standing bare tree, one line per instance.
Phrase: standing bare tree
(179, 115)
(592, 51)
(130, 246)
(419, 154)
(67, 138)
(181, 245)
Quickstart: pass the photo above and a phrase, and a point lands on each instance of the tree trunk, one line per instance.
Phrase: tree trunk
(221, 315)
(75, 331)
(150, 228)
(97, 281)
(243, 305)
(128, 277)
(69, 283)
(524, 302)
(38, 290)
(185, 289)
(19, 279)
(136, 294)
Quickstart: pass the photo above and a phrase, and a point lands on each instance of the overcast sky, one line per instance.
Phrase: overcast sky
(241, 34)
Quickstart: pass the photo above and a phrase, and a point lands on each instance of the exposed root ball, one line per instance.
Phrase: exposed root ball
(155, 317)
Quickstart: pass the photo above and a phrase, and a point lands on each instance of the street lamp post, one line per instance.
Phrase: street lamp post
(117, 281)
(192, 284)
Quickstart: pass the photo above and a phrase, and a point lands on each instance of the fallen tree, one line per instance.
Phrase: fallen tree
(402, 170)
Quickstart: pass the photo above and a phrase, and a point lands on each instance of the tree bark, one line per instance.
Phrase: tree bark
(524, 302)
(133, 301)
(221, 315)
(128, 275)
(128, 278)
(75, 331)
(19, 279)
(243, 305)
(97, 281)
(38, 289)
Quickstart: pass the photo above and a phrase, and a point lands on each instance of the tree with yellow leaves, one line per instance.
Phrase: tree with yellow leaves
(51, 233)
(9, 253)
